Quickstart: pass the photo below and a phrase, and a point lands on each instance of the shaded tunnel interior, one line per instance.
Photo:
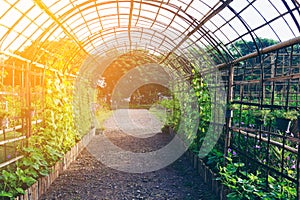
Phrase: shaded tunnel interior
(246, 53)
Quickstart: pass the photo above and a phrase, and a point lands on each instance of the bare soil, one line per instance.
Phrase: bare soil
(87, 178)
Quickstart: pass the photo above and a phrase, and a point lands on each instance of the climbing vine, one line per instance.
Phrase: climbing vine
(48, 143)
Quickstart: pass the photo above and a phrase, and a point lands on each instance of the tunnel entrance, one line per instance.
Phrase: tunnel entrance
(147, 95)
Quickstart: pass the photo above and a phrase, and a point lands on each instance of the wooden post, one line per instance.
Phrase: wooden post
(4, 138)
(273, 60)
(28, 103)
(298, 165)
(2, 76)
(22, 77)
(228, 112)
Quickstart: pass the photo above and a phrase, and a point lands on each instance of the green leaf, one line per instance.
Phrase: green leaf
(233, 196)
(229, 159)
(20, 190)
(239, 164)
(6, 194)
(26, 162)
(28, 180)
(31, 172)
(44, 172)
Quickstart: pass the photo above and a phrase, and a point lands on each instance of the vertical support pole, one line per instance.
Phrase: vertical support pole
(28, 103)
(14, 104)
(13, 82)
(22, 77)
(273, 74)
(273, 60)
(13, 77)
(2, 75)
(228, 112)
(289, 80)
(298, 161)
(4, 139)
(43, 99)
(262, 85)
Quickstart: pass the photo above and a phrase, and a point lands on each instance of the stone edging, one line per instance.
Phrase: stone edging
(208, 176)
(43, 183)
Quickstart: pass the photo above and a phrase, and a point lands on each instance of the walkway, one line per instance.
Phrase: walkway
(87, 178)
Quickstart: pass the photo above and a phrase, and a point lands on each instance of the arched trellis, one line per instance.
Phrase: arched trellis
(231, 33)
(205, 25)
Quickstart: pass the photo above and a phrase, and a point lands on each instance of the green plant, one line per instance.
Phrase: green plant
(47, 144)
(172, 113)
(202, 93)
(101, 115)
(245, 185)
(4, 114)
(4, 121)
(261, 114)
(289, 114)
(34, 161)
(214, 159)
(14, 183)
(262, 117)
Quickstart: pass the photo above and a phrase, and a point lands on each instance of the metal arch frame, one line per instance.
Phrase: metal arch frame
(292, 15)
(113, 41)
(59, 18)
(53, 30)
(127, 1)
(10, 28)
(175, 13)
(225, 4)
(15, 24)
(110, 2)
(172, 48)
(263, 25)
(51, 15)
(144, 30)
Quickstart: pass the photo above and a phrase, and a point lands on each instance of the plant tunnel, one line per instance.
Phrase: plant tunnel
(225, 71)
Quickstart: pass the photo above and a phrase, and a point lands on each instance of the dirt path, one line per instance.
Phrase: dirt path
(87, 178)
